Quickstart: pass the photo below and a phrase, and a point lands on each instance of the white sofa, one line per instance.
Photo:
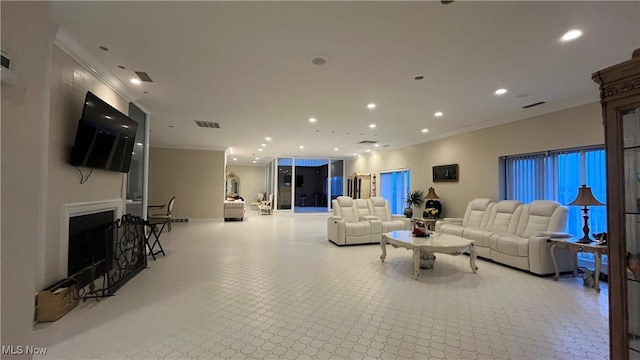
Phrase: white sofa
(514, 234)
(233, 210)
(362, 221)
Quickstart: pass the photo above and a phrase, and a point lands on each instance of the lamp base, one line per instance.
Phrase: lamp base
(585, 240)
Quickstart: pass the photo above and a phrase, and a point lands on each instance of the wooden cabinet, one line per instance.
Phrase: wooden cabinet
(620, 98)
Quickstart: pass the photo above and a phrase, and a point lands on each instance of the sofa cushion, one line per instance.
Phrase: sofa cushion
(393, 225)
(358, 228)
(343, 207)
(361, 208)
(477, 213)
(480, 236)
(510, 244)
(379, 207)
(542, 215)
(504, 216)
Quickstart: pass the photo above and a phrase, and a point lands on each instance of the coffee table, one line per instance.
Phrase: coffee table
(435, 243)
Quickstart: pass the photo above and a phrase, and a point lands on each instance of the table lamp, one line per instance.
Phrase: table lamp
(585, 198)
(432, 203)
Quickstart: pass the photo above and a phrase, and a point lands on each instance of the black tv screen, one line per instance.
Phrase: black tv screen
(105, 137)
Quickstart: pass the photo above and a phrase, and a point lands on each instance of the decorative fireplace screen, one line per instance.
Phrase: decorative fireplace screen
(124, 242)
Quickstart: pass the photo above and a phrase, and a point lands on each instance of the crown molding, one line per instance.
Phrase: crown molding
(72, 48)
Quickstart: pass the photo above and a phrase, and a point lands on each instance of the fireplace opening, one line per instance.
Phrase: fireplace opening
(90, 242)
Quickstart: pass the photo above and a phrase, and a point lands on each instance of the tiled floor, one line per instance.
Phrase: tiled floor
(273, 287)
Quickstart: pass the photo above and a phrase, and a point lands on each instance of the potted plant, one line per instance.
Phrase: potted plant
(414, 198)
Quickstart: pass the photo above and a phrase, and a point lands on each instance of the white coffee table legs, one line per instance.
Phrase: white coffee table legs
(383, 245)
(472, 258)
(416, 263)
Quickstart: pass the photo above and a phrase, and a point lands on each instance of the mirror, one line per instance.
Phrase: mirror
(233, 185)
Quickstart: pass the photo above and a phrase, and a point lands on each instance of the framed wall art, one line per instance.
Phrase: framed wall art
(444, 173)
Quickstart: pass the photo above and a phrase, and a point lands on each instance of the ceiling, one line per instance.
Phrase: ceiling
(248, 66)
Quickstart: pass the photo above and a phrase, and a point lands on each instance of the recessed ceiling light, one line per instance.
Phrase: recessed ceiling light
(235, 159)
(312, 120)
(438, 114)
(371, 106)
(267, 138)
(372, 126)
(376, 145)
(425, 130)
(368, 150)
(257, 158)
(571, 35)
(135, 81)
(354, 154)
(420, 77)
(121, 67)
(254, 161)
(501, 91)
(263, 145)
(260, 149)
(301, 147)
(335, 149)
(104, 48)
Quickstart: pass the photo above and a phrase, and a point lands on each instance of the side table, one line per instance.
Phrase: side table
(576, 247)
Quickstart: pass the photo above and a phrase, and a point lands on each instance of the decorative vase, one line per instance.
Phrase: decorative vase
(633, 263)
(433, 204)
(408, 212)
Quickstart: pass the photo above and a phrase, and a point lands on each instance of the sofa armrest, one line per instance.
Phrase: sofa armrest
(540, 261)
(335, 228)
(454, 221)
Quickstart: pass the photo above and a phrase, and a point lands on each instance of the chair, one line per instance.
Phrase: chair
(265, 206)
(162, 216)
(259, 199)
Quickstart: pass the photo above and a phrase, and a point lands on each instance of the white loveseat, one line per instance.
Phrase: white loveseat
(362, 221)
(514, 234)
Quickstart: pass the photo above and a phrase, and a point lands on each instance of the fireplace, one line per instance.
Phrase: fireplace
(90, 242)
(98, 243)
(73, 210)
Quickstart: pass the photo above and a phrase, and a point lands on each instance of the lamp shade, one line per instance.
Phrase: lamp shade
(431, 194)
(585, 197)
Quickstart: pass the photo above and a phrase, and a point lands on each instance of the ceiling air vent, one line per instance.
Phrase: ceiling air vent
(534, 104)
(208, 124)
(144, 76)
(368, 142)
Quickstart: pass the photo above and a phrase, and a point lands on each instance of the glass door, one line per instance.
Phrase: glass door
(311, 185)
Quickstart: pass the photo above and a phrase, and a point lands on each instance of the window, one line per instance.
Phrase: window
(394, 187)
(556, 175)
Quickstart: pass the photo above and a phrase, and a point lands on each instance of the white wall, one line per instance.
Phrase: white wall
(69, 85)
(252, 180)
(477, 153)
(25, 33)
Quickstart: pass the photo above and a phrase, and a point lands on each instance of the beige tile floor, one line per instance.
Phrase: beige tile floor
(273, 287)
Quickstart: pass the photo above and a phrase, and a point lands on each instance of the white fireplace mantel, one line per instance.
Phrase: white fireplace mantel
(78, 209)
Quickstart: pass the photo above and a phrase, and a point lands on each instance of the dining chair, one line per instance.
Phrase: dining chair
(162, 216)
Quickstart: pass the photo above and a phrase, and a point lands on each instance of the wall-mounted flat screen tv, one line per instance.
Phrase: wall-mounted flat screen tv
(105, 137)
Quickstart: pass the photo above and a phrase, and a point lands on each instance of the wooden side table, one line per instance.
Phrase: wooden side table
(576, 247)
